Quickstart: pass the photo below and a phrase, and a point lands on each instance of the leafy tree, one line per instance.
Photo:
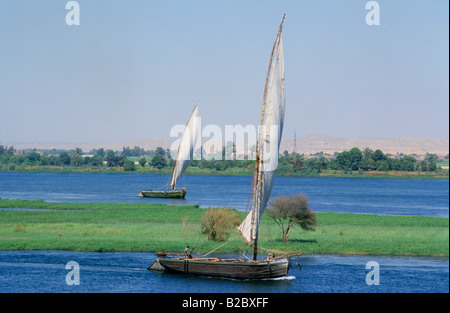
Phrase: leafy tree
(429, 163)
(355, 158)
(408, 163)
(382, 165)
(313, 164)
(367, 163)
(160, 151)
(52, 160)
(44, 160)
(101, 152)
(298, 162)
(142, 162)
(396, 164)
(76, 159)
(97, 160)
(158, 161)
(350, 160)
(378, 155)
(431, 157)
(423, 166)
(203, 163)
(115, 160)
(129, 166)
(136, 151)
(221, 165)
(432, 166)
(111, 158)
(170, 162)
(33, 158)
(333, 164)
(431, 160)
(4, 150)
(343, 161)
(367, 153)
(64, 158)
(288, 211)
(120, 160)
(126, 151)
(323, 162)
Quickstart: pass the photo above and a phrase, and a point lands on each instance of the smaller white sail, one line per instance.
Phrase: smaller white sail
(186, 147)
(247, 230)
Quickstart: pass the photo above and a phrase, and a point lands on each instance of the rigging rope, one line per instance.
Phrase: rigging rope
(226, 242)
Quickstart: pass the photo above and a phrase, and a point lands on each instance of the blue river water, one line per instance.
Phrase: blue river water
(350, 195)
(125, 272)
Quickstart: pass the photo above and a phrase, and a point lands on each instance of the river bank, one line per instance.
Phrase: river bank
(40, 225)
(442, 174)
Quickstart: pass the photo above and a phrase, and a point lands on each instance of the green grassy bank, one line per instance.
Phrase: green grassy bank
(160, 227)
(232, 171)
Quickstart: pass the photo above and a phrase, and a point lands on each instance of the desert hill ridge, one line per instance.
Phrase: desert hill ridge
(406, 145)
(308, 145)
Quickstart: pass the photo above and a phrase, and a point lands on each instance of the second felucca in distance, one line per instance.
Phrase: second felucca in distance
(185, 153)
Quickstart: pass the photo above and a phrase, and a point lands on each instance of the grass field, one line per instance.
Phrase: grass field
(441, 174)
(160, 227)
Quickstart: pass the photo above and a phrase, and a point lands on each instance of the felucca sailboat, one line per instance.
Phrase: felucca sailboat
(185, 153)
(272, 117)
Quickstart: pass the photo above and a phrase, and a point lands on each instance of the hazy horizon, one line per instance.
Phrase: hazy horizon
(308, 145)
(168, 138)
(133, 70)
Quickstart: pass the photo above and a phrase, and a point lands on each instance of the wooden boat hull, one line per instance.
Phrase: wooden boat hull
(176, 194)
(236, 269)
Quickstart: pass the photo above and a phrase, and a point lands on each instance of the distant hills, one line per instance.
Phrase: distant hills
(307, 145)
(406, 145)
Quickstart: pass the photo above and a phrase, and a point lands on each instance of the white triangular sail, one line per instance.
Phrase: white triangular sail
(268, 141)
(186, 147)
(273, 127)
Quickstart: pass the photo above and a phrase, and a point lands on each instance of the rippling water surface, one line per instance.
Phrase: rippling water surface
(351, 195)
(125, 272)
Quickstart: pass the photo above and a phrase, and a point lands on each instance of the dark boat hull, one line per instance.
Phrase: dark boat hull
(175, 194)
(236, 269)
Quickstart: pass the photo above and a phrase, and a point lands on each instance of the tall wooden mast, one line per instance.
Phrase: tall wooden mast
(258, 160)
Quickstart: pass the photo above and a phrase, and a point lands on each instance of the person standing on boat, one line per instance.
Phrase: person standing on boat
(187, 254)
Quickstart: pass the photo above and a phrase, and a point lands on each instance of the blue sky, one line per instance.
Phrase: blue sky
(134, 69)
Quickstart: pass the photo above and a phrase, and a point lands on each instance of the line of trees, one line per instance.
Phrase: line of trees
(352, 160)
(358, 160)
